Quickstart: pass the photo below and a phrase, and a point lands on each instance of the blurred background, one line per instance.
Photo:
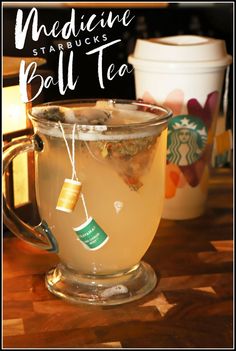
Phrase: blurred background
(156, 19)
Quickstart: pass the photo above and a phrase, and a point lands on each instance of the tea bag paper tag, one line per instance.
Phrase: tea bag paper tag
(91, 235)
(69, 195)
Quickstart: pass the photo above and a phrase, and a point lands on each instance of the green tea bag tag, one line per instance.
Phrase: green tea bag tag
(91, 235)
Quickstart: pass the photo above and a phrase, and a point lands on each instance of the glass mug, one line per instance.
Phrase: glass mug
(99, 180)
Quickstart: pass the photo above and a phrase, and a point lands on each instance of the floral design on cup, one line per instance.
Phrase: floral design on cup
(195, 173)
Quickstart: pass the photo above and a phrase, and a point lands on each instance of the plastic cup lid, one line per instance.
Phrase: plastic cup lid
(178, 50)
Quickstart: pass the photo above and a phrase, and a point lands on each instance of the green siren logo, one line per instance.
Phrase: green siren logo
(187, 138)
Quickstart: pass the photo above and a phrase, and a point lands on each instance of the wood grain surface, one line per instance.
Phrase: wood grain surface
(191, 307)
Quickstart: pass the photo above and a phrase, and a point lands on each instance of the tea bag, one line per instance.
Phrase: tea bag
(54, 113)
(91, 116)
(131, 158)
(90, 234)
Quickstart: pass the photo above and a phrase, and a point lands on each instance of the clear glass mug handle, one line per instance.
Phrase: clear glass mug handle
(40, 235)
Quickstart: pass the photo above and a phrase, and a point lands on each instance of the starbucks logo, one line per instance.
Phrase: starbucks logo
(187, 138)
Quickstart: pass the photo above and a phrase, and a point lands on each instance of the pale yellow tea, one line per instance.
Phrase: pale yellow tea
(122, 186)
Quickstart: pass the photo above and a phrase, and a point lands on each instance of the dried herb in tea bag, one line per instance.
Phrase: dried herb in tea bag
(131, 158)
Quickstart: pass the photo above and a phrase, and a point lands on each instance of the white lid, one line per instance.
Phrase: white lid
(182, 50)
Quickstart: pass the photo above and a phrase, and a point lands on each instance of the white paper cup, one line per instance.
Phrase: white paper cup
(185, 73)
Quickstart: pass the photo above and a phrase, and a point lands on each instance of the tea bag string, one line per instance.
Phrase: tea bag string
(72, 160)
(85, 207)
(91, 154)
(74, 175)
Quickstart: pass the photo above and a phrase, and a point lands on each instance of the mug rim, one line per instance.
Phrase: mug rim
(158, 119)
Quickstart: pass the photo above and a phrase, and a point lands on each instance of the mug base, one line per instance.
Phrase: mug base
(101, 289)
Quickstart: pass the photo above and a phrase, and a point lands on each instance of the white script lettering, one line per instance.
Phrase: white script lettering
(120, 72)
(68, 29)
(28, 75)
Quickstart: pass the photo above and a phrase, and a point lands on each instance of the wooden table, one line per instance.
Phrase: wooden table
(192, 306)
